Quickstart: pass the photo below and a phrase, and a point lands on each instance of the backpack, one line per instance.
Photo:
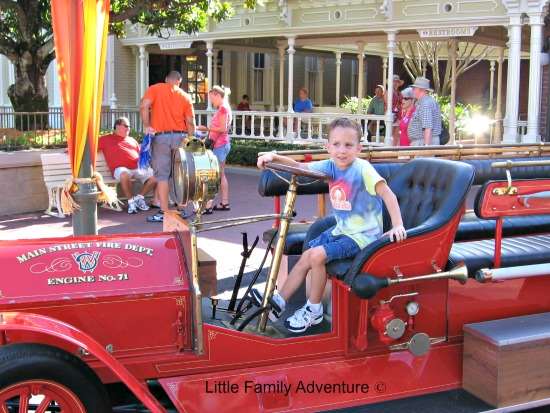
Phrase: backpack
(444, 136)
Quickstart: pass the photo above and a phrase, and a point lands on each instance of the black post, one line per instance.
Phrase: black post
(85, 218)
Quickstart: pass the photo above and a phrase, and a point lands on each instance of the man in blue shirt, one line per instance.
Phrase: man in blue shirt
(303, 103)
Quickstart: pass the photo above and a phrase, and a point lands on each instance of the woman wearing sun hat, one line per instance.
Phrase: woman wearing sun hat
(407, 112)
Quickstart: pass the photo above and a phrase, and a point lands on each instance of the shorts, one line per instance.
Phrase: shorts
(221, 152)
(142, 175)
(336, 247)
(161, 154)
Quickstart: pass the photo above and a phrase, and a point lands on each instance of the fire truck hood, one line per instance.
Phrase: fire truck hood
(90, 266)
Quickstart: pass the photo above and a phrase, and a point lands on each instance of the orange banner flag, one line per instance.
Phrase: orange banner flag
(80, 30)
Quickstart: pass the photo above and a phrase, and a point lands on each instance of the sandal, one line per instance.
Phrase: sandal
(222, 207)
(208, 211)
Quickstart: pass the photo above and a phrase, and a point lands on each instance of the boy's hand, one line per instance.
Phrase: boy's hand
(265, 158)
(397, 233)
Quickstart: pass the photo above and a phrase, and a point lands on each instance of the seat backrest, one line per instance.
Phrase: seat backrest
(430, 191)
(56, 168)
(271, 185)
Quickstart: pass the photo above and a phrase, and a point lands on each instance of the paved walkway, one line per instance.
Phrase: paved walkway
(224, 245)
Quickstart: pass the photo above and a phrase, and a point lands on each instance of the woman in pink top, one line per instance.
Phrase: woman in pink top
(218, 131)
(407, 111)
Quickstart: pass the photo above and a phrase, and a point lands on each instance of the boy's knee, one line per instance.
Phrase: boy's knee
(317, 256)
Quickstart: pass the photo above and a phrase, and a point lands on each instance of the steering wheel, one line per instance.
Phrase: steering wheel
(295, 171)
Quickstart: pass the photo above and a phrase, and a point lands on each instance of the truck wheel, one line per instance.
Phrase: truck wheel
(40, 378)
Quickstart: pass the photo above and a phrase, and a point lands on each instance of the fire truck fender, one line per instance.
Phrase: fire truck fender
(20, 321)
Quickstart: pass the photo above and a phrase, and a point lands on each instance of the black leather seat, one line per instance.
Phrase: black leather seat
(473, 228)
(429, 191)
(532, 249)
(294, 239)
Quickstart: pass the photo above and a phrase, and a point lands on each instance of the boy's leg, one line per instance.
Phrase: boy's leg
(318, 258)
(297, 275)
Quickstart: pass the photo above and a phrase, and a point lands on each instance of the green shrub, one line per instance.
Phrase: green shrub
(352, 104)
(245, 151)
(463, 112)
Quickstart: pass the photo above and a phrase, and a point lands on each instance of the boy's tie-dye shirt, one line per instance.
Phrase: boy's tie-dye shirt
(357, 208)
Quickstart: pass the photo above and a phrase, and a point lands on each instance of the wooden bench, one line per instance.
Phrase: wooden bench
(56, 169)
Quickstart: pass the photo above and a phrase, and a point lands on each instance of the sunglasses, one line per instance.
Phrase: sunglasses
(126, 126)
(407, 98)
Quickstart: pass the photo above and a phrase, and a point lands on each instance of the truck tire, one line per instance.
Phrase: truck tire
(51, 374)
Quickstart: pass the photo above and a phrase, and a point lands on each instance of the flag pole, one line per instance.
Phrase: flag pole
(85, 218)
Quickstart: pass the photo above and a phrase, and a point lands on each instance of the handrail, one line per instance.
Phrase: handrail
(518, 164)
(456, 152)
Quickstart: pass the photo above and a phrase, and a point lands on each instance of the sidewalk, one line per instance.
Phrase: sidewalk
(225, 245)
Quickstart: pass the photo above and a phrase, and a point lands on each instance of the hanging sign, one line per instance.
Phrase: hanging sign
(448, 32)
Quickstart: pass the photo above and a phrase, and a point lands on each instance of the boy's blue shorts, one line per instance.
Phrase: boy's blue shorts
(336, 247)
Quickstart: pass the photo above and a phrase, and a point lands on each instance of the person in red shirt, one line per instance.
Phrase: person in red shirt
(121, 153)
(244, 103)
(407, 112)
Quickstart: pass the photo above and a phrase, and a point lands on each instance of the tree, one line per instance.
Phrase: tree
(26, 36)
(434, 54)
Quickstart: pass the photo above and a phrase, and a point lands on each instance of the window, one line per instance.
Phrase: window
(258, 75)
(196, 80)
(354, 78)
(219, 68)
(312, 76)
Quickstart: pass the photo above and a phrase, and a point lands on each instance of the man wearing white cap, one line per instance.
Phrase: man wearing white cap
(425, 125)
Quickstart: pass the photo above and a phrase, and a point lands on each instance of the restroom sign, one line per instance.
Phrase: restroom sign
(465, 31)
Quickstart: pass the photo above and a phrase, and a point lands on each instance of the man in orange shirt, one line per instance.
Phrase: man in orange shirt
(167, 113)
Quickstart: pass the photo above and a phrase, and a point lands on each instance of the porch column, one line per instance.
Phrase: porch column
(360, 74)
(452, 114)
(338, 66)
(110, 72)
(512, 87)
(389, 88)
(498, 111)
(321, 80)
(215, 80)
(291, 51)
(536, 22)
(384, 71)
(209, 54)
(281, 78)
(491, 83)
(143, 55)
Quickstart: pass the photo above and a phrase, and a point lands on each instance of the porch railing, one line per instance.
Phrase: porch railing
(293, 127)
(46, 129)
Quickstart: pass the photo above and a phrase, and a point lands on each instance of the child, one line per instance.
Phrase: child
(355, 189)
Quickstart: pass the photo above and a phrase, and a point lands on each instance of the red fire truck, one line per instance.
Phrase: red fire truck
(95, 323)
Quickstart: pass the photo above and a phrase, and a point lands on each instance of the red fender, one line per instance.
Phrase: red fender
(19, 321)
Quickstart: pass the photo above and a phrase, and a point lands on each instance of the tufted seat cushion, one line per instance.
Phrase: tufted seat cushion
(532, 249)
(294, 239)
(473, 228)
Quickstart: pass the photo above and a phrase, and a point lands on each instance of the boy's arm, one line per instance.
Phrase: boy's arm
(397, 232)
(285, 160)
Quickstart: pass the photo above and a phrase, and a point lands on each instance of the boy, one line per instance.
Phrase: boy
(355, 189)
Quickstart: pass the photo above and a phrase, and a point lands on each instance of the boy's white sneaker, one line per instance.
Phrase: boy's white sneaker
(278, 303)
(303, 318)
